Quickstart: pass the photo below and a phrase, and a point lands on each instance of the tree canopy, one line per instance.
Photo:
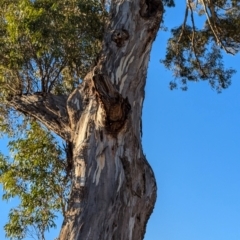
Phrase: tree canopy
(195, 53)
(47, 47)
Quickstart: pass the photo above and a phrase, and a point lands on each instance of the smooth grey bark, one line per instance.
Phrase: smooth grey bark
(113, 187)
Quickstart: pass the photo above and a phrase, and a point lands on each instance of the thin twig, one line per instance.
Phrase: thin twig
(183, 25)
(217, 38)
(193, 41)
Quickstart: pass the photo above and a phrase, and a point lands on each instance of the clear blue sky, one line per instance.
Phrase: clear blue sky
(192, 141)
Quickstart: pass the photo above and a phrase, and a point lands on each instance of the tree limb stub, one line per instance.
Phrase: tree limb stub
(50, 110)
(115, 106)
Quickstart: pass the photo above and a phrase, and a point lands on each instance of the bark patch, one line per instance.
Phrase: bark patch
(116, 107)
(127, 171)
(119, 36)
(117, 114)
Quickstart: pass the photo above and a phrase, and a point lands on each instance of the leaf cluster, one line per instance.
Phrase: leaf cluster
(37, 175)
(196, 59)
(195, 54)
(48, 45)
(45, 46)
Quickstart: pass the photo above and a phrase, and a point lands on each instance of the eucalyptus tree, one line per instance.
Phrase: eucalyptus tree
(76, 69)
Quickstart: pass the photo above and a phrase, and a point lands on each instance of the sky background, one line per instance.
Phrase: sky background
(192, 141)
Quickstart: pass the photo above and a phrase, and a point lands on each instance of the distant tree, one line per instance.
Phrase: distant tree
(74, 71)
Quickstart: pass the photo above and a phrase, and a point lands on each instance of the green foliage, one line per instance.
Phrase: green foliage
(196, 54)
(196, 59)
(37, 175)
(48, 45)
(45, 46)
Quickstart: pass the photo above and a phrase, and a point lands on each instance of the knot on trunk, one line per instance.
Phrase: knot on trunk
(150, 8)
(119, 36)
(116, 114)
(116, 107)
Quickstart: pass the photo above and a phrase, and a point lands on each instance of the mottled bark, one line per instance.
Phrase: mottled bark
(113, 186)
(114, 189)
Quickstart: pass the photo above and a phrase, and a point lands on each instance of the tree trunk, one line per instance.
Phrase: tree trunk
(113, 189)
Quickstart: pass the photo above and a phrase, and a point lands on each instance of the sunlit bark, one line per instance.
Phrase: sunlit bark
(113, 186)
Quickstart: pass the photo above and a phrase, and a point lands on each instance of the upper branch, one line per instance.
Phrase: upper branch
(213, 27)
(193, 41)
(184, 24)
(50, 110)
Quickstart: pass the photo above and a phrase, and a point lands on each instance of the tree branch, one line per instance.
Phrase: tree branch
(183, 25)
(213, 27)
(49, 109)
(193, 41)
